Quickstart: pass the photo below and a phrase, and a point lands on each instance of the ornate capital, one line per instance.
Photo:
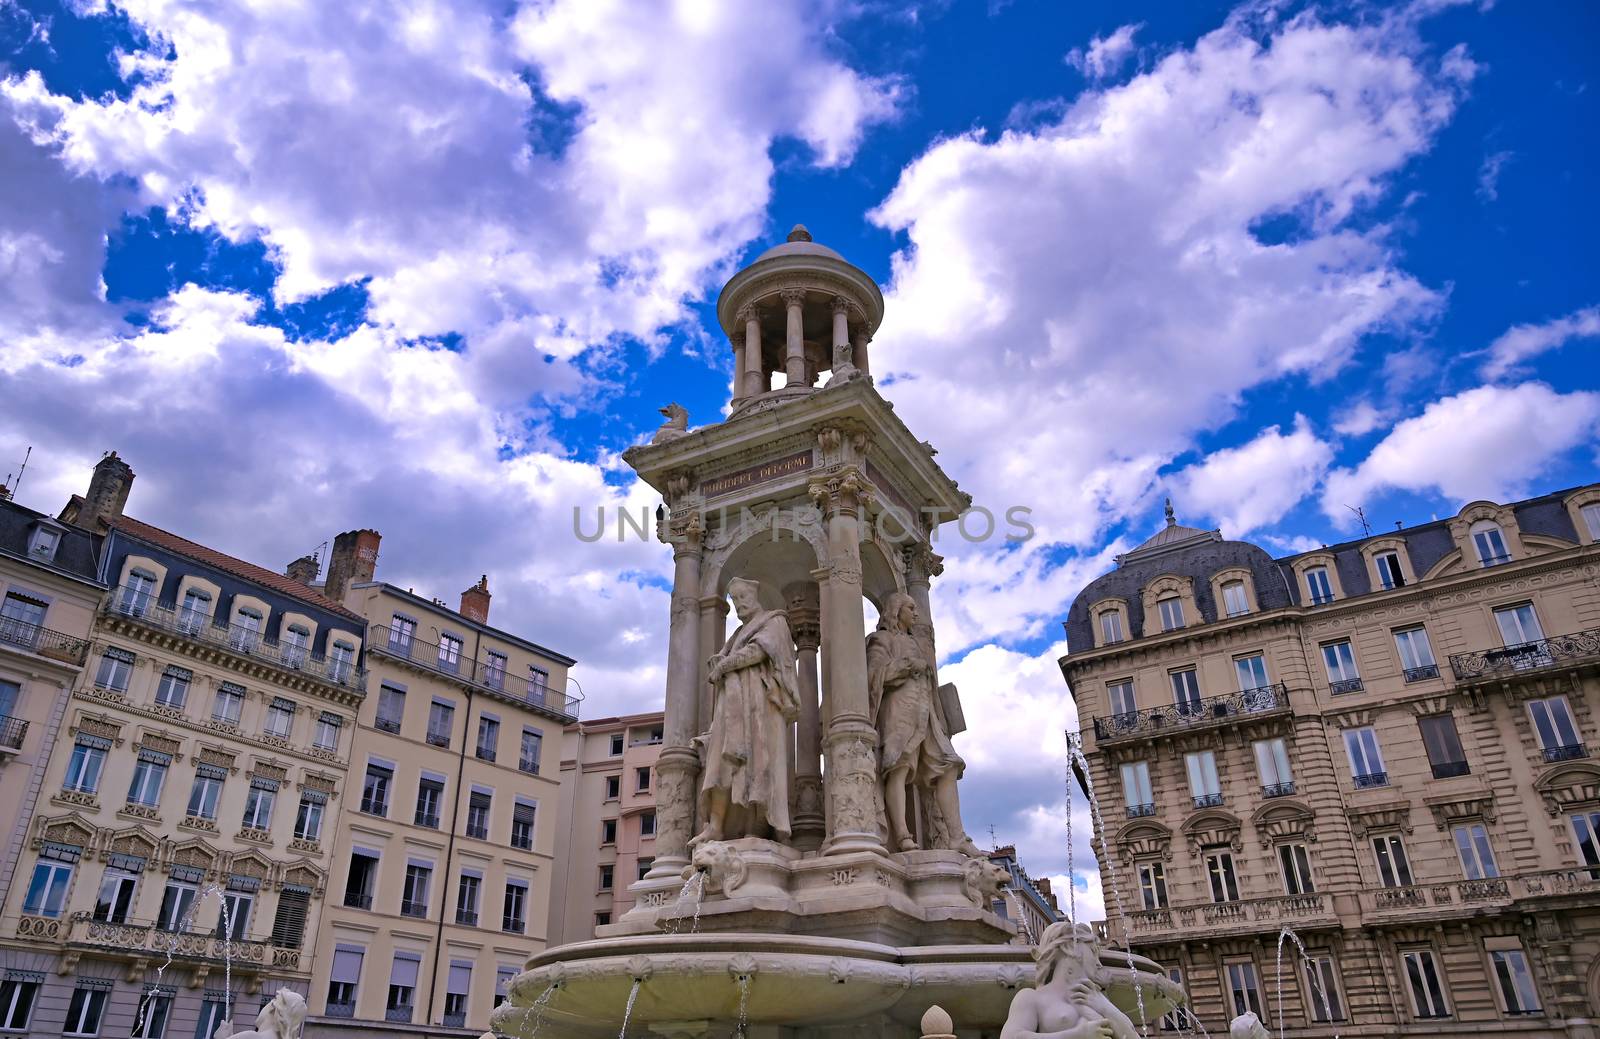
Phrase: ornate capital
(749, 312)
(793, 297)
(829, 439)
(678, 483)
(841, 305)
(845, 493)
(922, 562)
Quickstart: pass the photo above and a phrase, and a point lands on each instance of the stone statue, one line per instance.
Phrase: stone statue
(282, 1018)
(1068, 1000)
(983, 880)
(675, 426)
(1248, 1026)
(913, 737)
(744, 785)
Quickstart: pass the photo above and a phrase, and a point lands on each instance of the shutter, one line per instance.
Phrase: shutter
(404, 971)
(460, 979)
(289, 925)
(522, 815)
(346, 966)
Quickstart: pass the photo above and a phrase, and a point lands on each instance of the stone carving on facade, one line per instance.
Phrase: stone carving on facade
(1068, 1000)
(913, 735)
(983, 880)
(723, 868)
(744, 787)
(675, 426)
(283, 1018)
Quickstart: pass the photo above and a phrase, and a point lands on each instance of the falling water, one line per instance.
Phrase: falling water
(696, 883)
(1316, 982)
(536, 1011)
(1022, 917)
(180, 929)
(744, 1006)
(1072, 879)
(1075, 756)
(627, 1012)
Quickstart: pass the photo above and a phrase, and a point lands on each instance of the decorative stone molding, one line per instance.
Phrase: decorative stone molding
(194, 822)
(1145, 839)
(218, 758)
(1284, 819)
(1213, 826)
(1448, 811)
(161, 743)
(77, 799)
(250, 833)
(1569, 786)
(150, 813)
(269, 770)
(1166, 586)
(1575, 503)
(1391, 815)
(323, 784)
(99, 725)
(135, 842)
(1428, 706)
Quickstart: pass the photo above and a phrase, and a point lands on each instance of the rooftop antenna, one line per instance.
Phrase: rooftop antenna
(1366, 531)
(994, 842)
(10, 489)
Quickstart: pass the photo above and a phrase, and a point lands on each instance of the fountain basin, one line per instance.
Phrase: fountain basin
(689, 982)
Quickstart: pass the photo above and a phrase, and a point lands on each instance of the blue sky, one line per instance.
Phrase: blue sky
(430, 266)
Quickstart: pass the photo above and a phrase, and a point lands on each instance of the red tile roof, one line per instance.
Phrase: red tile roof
(237, 567)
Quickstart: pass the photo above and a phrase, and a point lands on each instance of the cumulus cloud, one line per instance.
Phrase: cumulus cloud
(1490, 442)
(1521, 342)
(1247, 487)
(1359, 419)
(1489, 175)
(1105, 54)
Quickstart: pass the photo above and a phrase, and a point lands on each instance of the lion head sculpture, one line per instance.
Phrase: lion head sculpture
(983, 881)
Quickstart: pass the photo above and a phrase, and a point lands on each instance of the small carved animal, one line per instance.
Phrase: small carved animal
(723, 867)
(675, 426)
(984, 880)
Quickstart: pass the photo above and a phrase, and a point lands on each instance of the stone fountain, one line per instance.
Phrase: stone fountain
(808, 805)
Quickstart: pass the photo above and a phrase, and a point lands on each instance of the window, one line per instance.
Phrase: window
(1490, 543)
(360, 881)
(375, 790)
(1224, 881)
(21, 617)
(608, 831)
(1251, 671)
(616, 745)
(430, 793)
(1136, 791)
(1519, 625)
(513, 919)
(468, 890)
(449, 653)
(402, 630)
(402, 987)
(1235, 603)
(1296, 867)
(1390, 853)
(150, 1021)
(1443, 745)
(1171, 609)
(1186, 690)
(1178, 1019)
(641, 779)
(115, 900)
(602, 919)
(1517, 991)
(647, 824)
(1366, 763)
(414, 891)
(213, 1011)
(503, 977)
(47, 890)
(116, 666)
(1323, 980)
(308, 817)
(233, 922)
(194, 612)
(538, 682)
(84, 1012)
(522, 816)
(246, 631)
(229, 704)
(1340, 660)
(391, 708)
(478, 805)
(1416, 655)
(280, 718)
(289, 919)
(1272, 764)
(137, 593)
(177, 902)
(1152, 884)
(1557, 733)
(86, 765)
(258, 804)
(1477, 857)
(644, 867)
(488, 738)
(1318, 585)
(326, 734)
(173, 689)
(44, 542)
(1389, 573)
(457, 985)
(341, 660)
(494, 670)
(1242, 987)
(207, 789)
(1422, 977)
(1204, 784)
(528, 754)
(441, 720)
(608, 876)
(296, 643)
(343, 979)
(613, 787)
(1120, 696)
(1111, 627)
(1591, 519)
(149, 774)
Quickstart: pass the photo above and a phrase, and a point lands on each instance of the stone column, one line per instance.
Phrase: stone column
(738, 370)
(805, 624)
(922, 565)
(752, 353)
(678, 768)
(713, 633)
(794, 359)
(851, 741)
(842, 352)
(860, 357)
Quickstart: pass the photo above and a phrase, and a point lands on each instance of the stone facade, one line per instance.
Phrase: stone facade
(1384, 744)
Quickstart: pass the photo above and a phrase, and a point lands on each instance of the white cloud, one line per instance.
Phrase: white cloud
(1254, 484)
(1491, 442)
(1360, 419)
(1106, 54)
(1520, 342)
(1489, 175)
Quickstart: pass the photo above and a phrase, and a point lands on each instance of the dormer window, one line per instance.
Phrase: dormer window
(1111, 627)
(1389, 572)
(296, 642)
(1319, 586)
(1171, 609)
(137, 593)
(44, 541)
(1234, 600)
(196, 608)
(1490, 543)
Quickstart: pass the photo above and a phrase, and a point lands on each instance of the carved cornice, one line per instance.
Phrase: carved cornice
(1391, 815)
(1450, 810)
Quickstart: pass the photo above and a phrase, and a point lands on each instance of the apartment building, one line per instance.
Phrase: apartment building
(1385, 744)
(450, 839)
(608, 801)
(181, 825)
(1027, 901)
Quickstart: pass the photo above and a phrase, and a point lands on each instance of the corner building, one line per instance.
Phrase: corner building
(1384, 744)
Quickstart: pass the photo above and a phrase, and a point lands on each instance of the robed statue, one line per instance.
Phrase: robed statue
(744, 784)
(914, 748)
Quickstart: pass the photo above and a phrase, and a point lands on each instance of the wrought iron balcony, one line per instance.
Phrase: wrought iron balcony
(1556, 653)
(238, 639)
(1368, 780)
(1570, 752)
(1192, 714)
(1278, 789)
(467, 917)
(12, 732)
(1451, 769)
(1345, 685)
(400, 1014)
(485, 753)
(1423, 673)
(438, 739)
(484, 674)
(528, 765)
(358, 899)
(456, 1020)
(46, 643)
(341, 1010)
(428, 819)
(1207, 800)
(417, 909)
(386, 724)
(374, 807)
(1139, 811)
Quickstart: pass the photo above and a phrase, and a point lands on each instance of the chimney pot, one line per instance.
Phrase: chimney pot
(475, 601)
(303, 570)
(354, 560)
(108, 492)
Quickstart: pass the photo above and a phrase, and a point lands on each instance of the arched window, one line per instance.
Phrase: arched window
(1490, 543)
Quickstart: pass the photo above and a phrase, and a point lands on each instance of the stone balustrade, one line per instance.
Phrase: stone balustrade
(132, 940)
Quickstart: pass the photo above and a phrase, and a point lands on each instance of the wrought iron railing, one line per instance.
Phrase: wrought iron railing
(1139, 811)
(1278, 789)
(438, 739)
(485, 753)
(386, 639)
(240, 639)
(341, 1010)
(1207, 800)
(1190, 714)
(43, 641)
(409, 908)
(358, 899)
(386, 724)
(528, 765)
(1345, 685)
(1545, 654)
(467, 917)
(1368, 780)
(400, 1014)
(1451, 769)
(1423, 673)
(456, 1020)
(428, 819)
(12, 732)
(1569, 752)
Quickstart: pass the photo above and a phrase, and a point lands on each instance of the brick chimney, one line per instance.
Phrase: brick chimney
(354, 559)
(475, 601)
(108, 492)
(303, 570)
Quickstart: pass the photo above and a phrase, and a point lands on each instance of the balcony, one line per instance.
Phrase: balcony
(1545, 656)
(1421, 674)
(428, 819)
(1570, 752)
(438, 739)
(1193, 714)
(144, 942)
(386, 724)
(1207, 800)
(31, 638)
(485, 753)
(1451, 769)
(416, 909)
(1409, 897)
(1242, 916)
(1345, 685)
(400, 1014)
(236, 639)
(341, 1010)
(12, 732)
(1140, 811)
(467, 917)
(1278, 789)
(488, 675)
(358, 899)
(528, 765)
(456, 1020)
(1369, 780)
(369, 806)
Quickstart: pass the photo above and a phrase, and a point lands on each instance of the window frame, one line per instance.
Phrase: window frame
(1424, 956)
